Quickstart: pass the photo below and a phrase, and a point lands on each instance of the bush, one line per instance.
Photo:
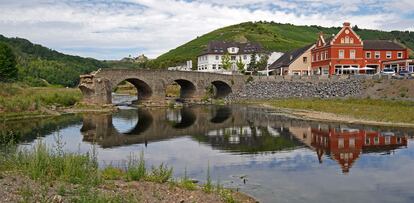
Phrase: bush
(136, 168)
(160, 174)
(8, 69)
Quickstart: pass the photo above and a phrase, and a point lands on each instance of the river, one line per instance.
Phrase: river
(268, 156)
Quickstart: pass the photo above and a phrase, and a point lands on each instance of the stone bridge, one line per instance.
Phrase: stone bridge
(151, 85)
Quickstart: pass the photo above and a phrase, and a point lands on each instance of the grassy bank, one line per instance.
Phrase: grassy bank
(17, 100)
(46, 173)
(367, 109)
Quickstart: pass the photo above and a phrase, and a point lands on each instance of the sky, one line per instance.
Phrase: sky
(106, 29)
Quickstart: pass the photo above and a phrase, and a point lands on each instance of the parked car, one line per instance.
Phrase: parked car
(388, 71)
(404, 73)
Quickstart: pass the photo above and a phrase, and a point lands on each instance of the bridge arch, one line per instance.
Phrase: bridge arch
(221, 89)
(187, 88)
(144, 90)
(181, 119)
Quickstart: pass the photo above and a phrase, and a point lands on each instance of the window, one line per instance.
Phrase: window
(322, 56)
(400, 55)
(220, 66)
(245, 57)
(352, 142)
(326, 54)
(342, 40)
(368, 54)
(351, 40)
(233, 58)
(387, 140)
(341, 54)
(305, 59)
(376, 140)
(389, 54)
(377, 54)
(313, 57)
(217, 57)
(341, 143)
(367, 141)
(346, 40)
(232, 49)
(352, 54)
(398, 140)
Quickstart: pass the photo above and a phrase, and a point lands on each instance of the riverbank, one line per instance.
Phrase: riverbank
(44, 174)
(350, 110)
(20, 102)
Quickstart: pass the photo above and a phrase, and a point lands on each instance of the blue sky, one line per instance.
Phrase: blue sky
(106, 29)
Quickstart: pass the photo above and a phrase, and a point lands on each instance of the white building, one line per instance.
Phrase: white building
(183, 67)
(211, 59)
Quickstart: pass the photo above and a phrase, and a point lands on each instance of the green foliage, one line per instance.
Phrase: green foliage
(42, 163)
(36, 63)
(208, 186)
(187, 183)
(136, 168)
(225, 61)
(16, 98)
(240, 65)
(253, 63)
(262, 64)
(8, 70)
(112, 173)
(160, 174)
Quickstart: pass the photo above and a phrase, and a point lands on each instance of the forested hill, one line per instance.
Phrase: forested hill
(39, 65)
(272, 36)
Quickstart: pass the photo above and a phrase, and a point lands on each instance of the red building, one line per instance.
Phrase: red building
(346, 145)
(347, 53)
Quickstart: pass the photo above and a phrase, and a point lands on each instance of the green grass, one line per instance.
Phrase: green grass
(369, 109)
(15, 98)
(49, 165)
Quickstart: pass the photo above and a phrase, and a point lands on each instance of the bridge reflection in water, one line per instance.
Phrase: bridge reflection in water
(244, 130)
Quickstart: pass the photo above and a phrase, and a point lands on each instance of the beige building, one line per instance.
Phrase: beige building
(296, 62)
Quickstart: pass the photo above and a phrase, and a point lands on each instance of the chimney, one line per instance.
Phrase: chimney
(347, 24)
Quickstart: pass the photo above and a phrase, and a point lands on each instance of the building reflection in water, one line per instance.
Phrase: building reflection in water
(245, 131)
(345, 145)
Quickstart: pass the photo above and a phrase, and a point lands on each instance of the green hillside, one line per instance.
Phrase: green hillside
(272, 36)
(39, 65)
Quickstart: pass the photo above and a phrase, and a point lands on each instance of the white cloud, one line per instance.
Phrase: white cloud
(111, 30)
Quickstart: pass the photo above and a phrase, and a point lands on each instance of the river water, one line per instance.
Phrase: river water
(269, 156)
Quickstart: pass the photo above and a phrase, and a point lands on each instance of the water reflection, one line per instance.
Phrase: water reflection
(283, 159)
(243, 130)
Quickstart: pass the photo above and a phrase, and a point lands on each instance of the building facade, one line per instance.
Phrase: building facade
(347, 53)
(296, 62)
(211, 59)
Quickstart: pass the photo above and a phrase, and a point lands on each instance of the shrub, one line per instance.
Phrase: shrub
(160, 174)
(136, 168)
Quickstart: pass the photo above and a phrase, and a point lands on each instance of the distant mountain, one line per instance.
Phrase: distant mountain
(39, 65)
(272, 36)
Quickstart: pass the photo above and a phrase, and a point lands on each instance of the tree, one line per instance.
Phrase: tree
(262, 64)
(225, 61)
(252, 64)
(8, 69)
(240, 65)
